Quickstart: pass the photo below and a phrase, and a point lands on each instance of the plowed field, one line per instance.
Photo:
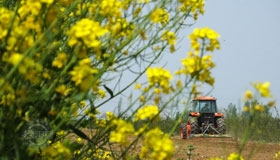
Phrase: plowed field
(222, 147)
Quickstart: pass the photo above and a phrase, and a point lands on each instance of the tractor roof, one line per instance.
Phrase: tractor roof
(204, 98)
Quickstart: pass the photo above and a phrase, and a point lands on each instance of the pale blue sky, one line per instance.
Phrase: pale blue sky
(249, 52)
(250, 40)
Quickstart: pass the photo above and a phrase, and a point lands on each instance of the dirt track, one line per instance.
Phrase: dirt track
(218, 147)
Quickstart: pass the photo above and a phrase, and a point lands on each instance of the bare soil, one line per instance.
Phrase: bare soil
(206, 148)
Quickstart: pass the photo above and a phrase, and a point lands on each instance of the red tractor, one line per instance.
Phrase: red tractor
(203, 119)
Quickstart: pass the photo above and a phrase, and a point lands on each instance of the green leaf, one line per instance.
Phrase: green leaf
(79, 133)
(109, 91)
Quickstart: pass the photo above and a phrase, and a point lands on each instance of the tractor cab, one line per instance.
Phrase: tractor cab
(204, 105)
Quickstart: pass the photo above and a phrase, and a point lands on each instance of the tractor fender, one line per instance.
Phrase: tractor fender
(194, 114)
(219, 115)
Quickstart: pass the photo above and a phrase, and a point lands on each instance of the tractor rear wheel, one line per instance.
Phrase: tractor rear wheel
(195, 129)
(221, 125)
(183, 131)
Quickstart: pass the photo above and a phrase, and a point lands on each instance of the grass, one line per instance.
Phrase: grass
(266, 127)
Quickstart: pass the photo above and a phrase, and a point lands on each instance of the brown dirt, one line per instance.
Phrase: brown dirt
(206, 148)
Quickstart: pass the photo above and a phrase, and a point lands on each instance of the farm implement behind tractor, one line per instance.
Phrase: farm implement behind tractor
(204, 121)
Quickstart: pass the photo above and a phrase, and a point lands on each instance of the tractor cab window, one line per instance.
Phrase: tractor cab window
(195, 106)
(204, 106)
(207, 106)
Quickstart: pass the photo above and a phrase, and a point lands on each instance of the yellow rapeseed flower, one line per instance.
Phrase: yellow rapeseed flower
(146, 112)
(259, 108)
(248, 95)
(110, 116)
(159, 76)
(157, 146)
(235, 156)
(29, 7)
(120, 28)
(156, 48)
(157, 91)
(143, 1)
(111, 8)
(88, 31)
(263, 88)
(107, 156)
(276, 156)
(46, 75)
(60, 133)
(8, 99)
(77, 152)
(83, 74)
(29, 68)
(200, 67)
(195, 6)
(83, 104)
(56, 149)
(101, 123)
(122, 131)
(79, 140)
(179, 83)
(101, 93)
(141, 98)
(169, 36)
(156, 100)
(63, 90)
(15, 58)
(159, 15)
(141, 130)
(246, 109)
(60, 60)
(47, 1)
(271, 103)
(146, 89)
(5, 17)
(138, 86)
(137, 11)
(204, 34)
